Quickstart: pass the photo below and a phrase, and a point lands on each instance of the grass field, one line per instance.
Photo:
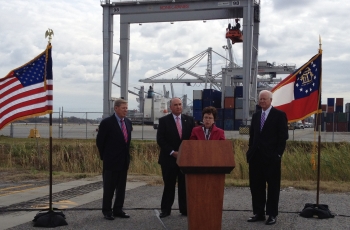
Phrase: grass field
(80, 158)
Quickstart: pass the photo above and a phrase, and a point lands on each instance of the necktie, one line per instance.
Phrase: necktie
(262, 121)
(178, 126)
(125, 133)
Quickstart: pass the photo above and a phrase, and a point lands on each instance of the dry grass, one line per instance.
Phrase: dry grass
(80, 158)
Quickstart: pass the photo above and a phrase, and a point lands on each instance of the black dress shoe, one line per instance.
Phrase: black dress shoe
(108, 217)
(121, 214)
(271, 220)
(164, 214)
(256, 218)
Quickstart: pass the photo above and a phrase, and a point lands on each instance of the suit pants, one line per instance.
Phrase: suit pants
(264, 170)
(170, 174)
(113, 182)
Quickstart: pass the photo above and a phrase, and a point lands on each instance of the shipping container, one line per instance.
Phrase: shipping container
(229, 91)
(324, 107)
(229, 114)
(239, 91)
(330, 101)
(238, 113)
(197, 114)
(229, 102)
(340, 117)
(339, 109)
(197, 104)
(330, 127)
(329, 117)
(228, 124)
(197, 94)
(330, 109)
(220, 114)
(342, 127)
(237, 124)
(219, 124)
(238, 103)
(347, 107)
(207, 94)
(217, 95)
(339, 102)
(206, 103)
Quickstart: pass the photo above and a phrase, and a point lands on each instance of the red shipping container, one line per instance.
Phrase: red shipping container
(229, 102)
(324, 108)
(342, 127)
(330, 109)
(339, 102)
(329, 127)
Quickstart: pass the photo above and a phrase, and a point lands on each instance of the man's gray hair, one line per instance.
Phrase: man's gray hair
(119, 101)
(266, 91)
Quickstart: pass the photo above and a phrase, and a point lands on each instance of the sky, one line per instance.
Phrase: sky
(289, 33)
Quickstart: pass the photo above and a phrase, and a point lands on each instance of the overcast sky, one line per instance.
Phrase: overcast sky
(289, 33)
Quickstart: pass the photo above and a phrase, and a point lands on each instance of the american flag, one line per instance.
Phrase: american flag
(299, 94)
(28, 90)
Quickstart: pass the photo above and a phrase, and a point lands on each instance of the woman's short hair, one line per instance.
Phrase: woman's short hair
(209, 110)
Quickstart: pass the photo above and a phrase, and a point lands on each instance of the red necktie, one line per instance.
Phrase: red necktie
(178, 125)
(124, 130)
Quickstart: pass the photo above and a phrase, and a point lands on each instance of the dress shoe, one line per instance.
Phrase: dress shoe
(256, 218)
(271, 220)
(121, 214)
(108, 217)
(164, 214)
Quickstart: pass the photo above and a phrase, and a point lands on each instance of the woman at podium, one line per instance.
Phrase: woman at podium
(208, 131)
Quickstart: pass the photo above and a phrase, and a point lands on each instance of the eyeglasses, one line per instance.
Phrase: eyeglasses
(208, 118)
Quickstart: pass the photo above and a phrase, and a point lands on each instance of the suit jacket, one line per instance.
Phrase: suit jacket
(271, 140)
(216, 133)
(168, 137)
(111, 144)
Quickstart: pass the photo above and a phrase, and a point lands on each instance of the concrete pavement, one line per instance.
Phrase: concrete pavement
(83, 210)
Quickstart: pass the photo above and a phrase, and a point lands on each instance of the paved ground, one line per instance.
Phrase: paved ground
(82, 201)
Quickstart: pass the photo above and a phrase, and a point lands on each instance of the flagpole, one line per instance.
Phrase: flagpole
(319, 130)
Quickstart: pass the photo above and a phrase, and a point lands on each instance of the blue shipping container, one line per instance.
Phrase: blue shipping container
(219, 124)
(197, 114)
(229, 114)
(220, 114)
(228, 124)
(207, 94)
(237, 124)
(239, 91)
(330, 101)
(339, 109)
(206, 103)
(197, 104)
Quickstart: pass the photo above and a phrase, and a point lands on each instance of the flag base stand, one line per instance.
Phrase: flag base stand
(320, 211)
(49, 218)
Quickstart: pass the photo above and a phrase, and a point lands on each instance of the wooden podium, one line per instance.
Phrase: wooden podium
(205, 164)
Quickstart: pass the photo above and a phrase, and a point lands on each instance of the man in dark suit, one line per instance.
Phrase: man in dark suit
(268, 134)
(172, 129)
(113, 143)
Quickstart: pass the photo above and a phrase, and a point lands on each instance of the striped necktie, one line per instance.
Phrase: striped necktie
(262, 121)
(125, 133)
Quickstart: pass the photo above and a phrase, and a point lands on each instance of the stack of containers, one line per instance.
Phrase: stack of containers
(340, 118)
(347, 112)
(211, 97)
(229, 105)
(329, 117)
(322, 118)
(238, 116)
(197, 105)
